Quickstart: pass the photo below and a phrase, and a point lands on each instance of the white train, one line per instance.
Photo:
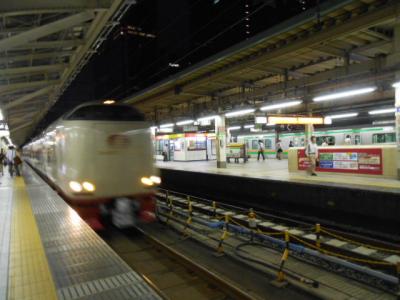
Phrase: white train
(358, 136)
(96, 153)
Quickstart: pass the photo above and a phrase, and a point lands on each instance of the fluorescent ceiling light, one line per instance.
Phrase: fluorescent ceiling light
(249, 126)
(382, 111)
(239, 112)
(186, 122)
(344, 94)
(396, 84)
(208, 118)
(281, 105)
(234, 128)
(343, 116)
(167, 125)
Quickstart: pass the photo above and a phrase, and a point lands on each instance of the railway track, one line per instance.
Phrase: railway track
(365, 259)
(172, 274)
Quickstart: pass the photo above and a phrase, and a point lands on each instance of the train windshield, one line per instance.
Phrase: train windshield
(106, 113)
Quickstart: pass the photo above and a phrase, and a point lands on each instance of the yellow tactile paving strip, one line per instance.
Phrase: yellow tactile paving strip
(29, 273)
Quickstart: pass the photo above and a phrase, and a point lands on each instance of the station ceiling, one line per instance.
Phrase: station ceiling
(347, 43)
(43, 46)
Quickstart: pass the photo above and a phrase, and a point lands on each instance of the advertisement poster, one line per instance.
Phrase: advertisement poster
(358, 161)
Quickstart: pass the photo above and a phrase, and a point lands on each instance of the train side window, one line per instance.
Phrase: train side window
(268, 144)
(379, 138)
(329, 139)
(254, 144)
(106, 113)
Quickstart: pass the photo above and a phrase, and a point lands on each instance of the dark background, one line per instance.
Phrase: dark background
(180, 32)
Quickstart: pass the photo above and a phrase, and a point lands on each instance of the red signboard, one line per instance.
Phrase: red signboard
(359, 161)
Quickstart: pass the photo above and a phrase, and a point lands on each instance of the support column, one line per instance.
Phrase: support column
(309, 130)
(397, 124)
(396, 52)
(220, 133)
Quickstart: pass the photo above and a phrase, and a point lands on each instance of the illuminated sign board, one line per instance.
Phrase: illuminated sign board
(295, 120)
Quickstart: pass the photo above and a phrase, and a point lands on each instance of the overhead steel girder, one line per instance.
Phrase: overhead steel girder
(358, 23)
(50, 44)
(23, 6)
(45, 30)
(31, 69)
(34, 56)
(16, 102)
(6, 89)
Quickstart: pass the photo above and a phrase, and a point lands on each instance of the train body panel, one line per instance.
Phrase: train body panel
(358, 136)
(113, 156)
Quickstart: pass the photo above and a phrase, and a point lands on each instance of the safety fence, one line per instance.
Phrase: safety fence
(184, 209)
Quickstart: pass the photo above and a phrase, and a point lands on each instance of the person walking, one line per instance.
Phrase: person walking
(10, 160)
(279, 150)
(261, 149)
(17, 163)
(2, 159)
(312, 155)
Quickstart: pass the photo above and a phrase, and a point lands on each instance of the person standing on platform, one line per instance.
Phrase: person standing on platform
(165, 152)
(324, 143)
(261, 149)
(10, 160)
(312, 155)
(347, 140)
(279, 150)
(2, 160)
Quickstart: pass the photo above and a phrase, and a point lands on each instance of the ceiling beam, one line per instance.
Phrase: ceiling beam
(45, 30)
(31, 69)
(16, 102)
(34, 56)
(24, 6)
(352, 26)
(50, 44)
(6, 89)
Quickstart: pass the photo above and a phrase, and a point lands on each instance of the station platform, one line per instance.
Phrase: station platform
(48, 252)
(278, 170)
(268, 185)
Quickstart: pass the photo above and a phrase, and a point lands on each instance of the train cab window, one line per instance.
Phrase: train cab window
(380, 138)
(106, 113)
(329, 139)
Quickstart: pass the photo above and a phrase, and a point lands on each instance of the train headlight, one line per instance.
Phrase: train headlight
(75, 186)
(147, 181)
(155, 179)
(89, 187)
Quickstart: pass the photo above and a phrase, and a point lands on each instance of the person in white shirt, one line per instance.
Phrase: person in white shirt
(261, 149)
(312, 154)
(165, 152)
(324, 143)
(347, 140)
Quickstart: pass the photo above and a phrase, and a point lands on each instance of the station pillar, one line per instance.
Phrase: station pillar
(396, 54)
(309, 130)
(220, 134)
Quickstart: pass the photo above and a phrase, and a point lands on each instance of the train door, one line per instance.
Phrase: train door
(211, 149)
(357, 139)
(171, 147)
